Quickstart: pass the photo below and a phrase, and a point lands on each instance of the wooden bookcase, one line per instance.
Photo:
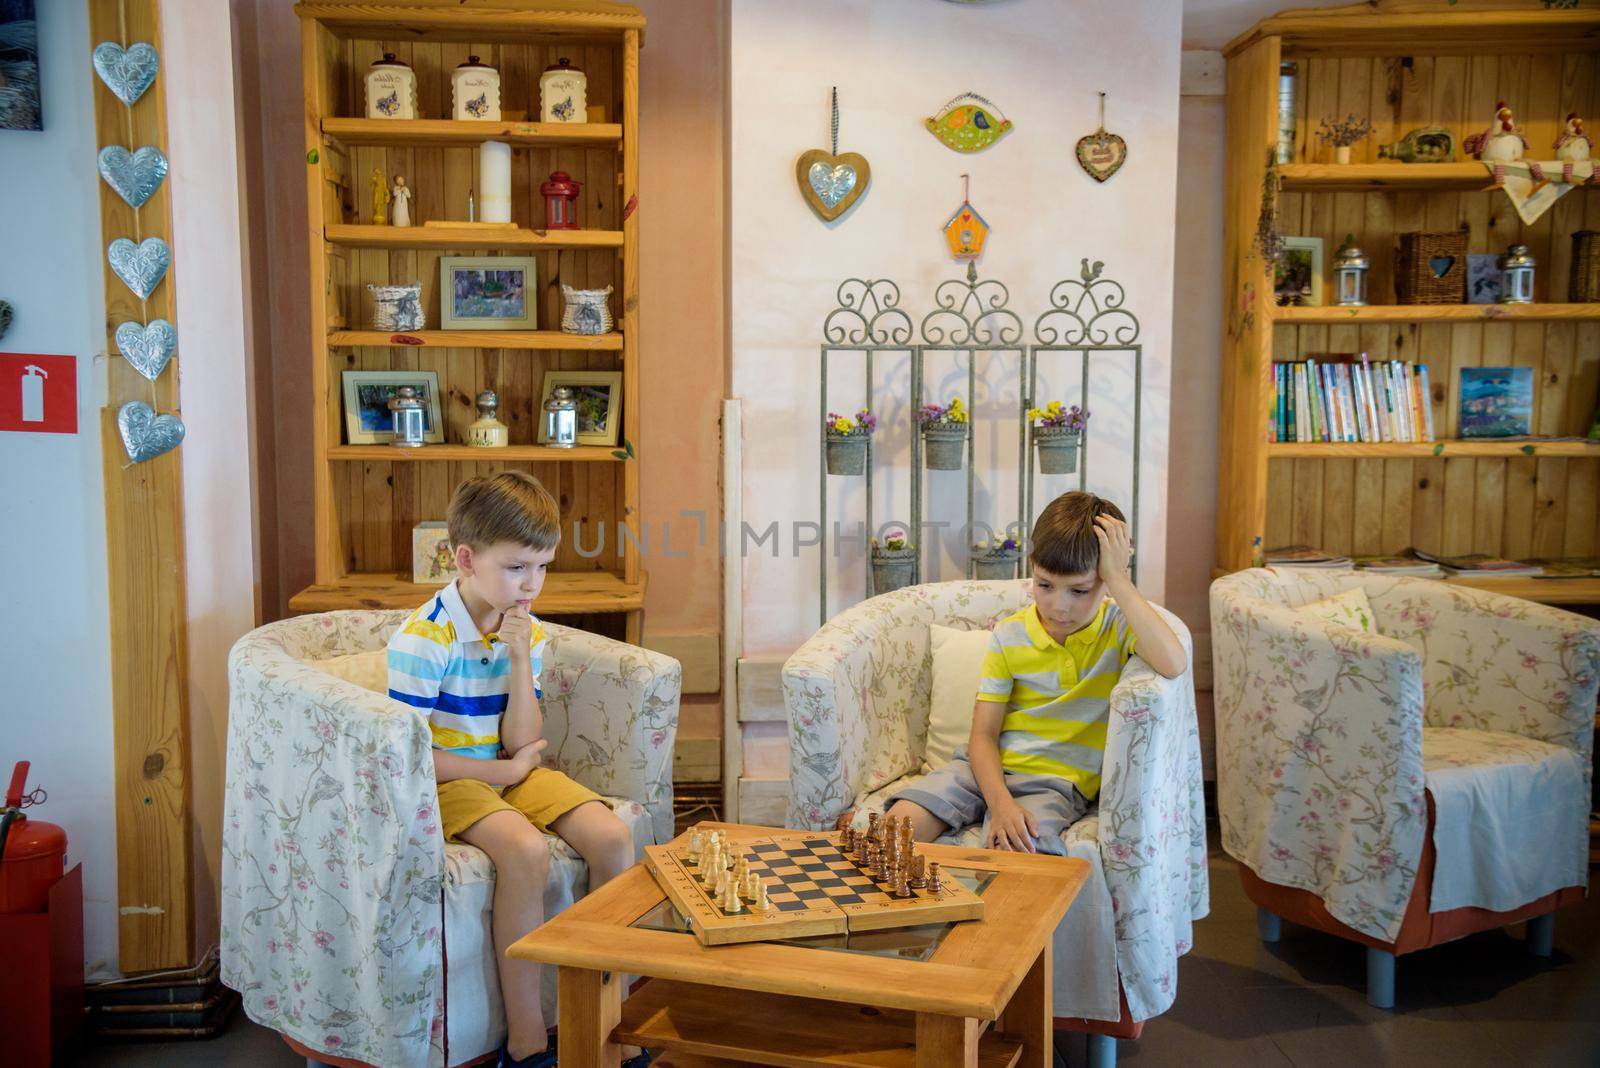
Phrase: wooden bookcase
(368, 497)
(1405, 65)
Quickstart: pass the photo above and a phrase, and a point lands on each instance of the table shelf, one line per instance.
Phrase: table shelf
(1425, 450)
(400, 238)
(565, 593)
(554, 340)
(473, 454)
(1333, 314)
(463, 134)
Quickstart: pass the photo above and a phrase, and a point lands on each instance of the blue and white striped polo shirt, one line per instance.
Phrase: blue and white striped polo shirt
(438, 662)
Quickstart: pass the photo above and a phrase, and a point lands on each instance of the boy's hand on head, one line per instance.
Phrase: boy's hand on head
(524, 760)
(1012, 828)
(1116, 548)
(516, 630)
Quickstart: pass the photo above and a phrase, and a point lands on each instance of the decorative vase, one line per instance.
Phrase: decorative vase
(996, 564)
(585, 311)
(892, 568)
(1341, 153)
(942, 444)
(1057, 447)
(847, 453)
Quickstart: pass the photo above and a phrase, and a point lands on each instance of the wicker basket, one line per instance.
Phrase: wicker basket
(1431, 268)
(1585, 285)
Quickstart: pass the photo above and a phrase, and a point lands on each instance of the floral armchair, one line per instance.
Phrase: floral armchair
(340, 897)
(858, 695)
(1407, 785)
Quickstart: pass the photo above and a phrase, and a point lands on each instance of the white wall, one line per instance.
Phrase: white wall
(895, 63)
(58, 683)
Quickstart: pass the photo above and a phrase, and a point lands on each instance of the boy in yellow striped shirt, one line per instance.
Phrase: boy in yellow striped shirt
(1031, 767)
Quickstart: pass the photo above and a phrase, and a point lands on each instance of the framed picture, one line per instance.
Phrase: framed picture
(599, 397)
(19, 67)
(1496, 402)
(366, 405)
(488, 292)
(1297, 277)
(1483, 278)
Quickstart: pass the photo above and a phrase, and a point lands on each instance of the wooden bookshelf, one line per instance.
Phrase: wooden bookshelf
(1406, 68)
(368, 497)
(1543, 590)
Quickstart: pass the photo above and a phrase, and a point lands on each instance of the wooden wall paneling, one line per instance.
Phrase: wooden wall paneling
(1355, 98)
(1428, 502)
(1321, 91)
(145, 556)
(1338, 475)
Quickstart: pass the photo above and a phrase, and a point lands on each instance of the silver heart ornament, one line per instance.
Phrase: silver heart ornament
(141, 267)
(831, 184)
(145, 434)
(134, 175)
(148, 348)
(126, 72)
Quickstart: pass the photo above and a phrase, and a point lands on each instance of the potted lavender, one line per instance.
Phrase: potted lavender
(944, 433)
(1341, 135)
(894, 562)
(1057, 434)
(996, 559)
(846, 441)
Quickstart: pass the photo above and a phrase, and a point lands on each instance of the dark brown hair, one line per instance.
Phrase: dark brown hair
(512, 506)
(1063, 540)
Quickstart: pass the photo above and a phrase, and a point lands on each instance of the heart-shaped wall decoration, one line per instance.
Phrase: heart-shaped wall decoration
(832, 183)
(126, 72)
(5, 317)
(141, 267)
(148, 348)
(134, 175)
(1440, 265)
(1101, 154)
(145, 434)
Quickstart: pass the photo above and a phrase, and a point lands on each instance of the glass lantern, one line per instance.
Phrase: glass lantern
(560, 201)
(488, 432)
(476, 91)
(1516, 276)
(391, 89)
(406, 415)
(1350, 275)
(561, 418)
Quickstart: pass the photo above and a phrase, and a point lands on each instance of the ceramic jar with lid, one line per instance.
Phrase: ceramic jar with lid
(476, 89)
(563, 93)
(391, 89)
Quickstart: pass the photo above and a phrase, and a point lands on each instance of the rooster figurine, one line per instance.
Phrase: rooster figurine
(1503, 143)
(1573, 146)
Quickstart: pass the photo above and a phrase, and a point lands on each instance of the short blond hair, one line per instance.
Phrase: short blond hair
(512, 506)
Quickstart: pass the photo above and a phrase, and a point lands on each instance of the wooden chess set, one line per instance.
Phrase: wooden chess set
(798, 884)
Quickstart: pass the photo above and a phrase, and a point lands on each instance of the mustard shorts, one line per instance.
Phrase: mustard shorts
(543, 797)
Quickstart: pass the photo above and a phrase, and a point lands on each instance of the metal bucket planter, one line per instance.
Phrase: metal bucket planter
(942, 446)
(847, 453)
(892, 568)
(991, 565)
(1057, 447)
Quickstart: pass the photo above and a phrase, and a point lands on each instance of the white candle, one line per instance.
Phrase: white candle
(494, 182)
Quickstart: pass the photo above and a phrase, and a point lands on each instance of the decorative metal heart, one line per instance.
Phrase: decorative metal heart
(141, 267)
(1102, 154)
(831, 184)
(5, 317)
(128, 73)
(134, 175)
(145, 434)
(148, 348)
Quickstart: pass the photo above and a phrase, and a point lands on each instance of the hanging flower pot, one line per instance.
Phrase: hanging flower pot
(997, 560)
(894, 563)
(944, 435)
(1057, 436)
(846, 442)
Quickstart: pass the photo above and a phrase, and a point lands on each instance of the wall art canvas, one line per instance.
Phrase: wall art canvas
(488, 292)
(1496, 402)
(19, 67)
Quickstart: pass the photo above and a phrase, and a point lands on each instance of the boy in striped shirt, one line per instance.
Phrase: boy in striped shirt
(470, 660)
(1031, 766)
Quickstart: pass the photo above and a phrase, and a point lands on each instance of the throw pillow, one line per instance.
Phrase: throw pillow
(1348, 609)
(957, 667)
(369, 670)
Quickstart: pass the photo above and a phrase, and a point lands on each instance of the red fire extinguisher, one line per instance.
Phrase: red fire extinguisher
(33, 853)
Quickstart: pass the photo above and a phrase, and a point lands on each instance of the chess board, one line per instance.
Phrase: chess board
(812, 889)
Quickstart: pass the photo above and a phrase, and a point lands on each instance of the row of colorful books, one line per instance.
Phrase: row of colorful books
(1419, 563)
(1365, 400)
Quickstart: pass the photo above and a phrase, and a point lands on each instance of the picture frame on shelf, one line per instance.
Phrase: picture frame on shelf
(1483, 278)
(1297, 276)
(1496, 402)
(488, 292)
(599, 397)
(366, 405)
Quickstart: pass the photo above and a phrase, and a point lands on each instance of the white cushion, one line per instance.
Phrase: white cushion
(1348, 609)
(368, 670)
(957, 666)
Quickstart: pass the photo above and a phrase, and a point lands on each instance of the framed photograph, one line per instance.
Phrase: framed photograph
(366, 405)
(1297, 278)
(488, 292)
(599, 397)
(1496, 402)
(1483, 278)
(19, 67)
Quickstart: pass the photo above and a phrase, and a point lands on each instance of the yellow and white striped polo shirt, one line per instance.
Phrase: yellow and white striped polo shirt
(1058, 694)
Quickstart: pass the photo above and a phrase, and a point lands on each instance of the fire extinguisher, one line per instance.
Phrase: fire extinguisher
(33, 853)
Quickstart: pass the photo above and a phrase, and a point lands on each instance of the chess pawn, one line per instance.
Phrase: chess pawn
(751, 882)
(761, 902)
(935, 885)
(847, 840)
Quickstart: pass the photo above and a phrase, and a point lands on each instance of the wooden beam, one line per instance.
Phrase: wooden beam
(144, 558)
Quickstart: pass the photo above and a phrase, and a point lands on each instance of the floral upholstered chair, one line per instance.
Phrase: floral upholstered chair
(340, 897)
(858, 696)
(1407, 773)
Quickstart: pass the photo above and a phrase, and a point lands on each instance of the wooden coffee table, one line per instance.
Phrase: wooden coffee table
(977, 992)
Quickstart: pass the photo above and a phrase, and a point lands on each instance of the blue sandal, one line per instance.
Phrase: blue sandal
(545, 1058)
(640, 1061)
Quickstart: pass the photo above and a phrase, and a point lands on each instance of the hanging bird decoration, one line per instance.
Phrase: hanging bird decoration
(1501, 143)
(968, 127)
(1573, 146)
(965, 231)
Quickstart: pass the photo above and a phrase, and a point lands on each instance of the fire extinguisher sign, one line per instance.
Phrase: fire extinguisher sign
(38, 394)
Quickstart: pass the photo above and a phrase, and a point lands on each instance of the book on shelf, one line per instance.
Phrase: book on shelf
(1481, 565)
(1304, 556)
(1404, 564)
(1349, 398)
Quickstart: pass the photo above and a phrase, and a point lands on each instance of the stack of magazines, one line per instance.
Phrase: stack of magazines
(1305, 556)
(1351, 400)
(1404, 564)
(1478, 565)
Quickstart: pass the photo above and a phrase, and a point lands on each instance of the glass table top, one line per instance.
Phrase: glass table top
(903, 943)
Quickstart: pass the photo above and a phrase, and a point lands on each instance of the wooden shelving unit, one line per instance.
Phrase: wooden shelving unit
(1404, 69)
(368, 497)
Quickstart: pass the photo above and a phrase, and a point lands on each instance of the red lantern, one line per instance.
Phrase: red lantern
(560, 202)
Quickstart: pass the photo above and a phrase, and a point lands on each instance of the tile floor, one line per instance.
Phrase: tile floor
(1479, 1001)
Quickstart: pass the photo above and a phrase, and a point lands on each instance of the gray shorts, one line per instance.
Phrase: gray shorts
(953, 796)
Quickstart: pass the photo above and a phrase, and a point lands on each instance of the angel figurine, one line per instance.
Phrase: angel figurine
(401, 197)
(380, 198)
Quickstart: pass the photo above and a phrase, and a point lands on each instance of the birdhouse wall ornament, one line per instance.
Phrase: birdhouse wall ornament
(1574, 147)
(968, 127)
(1102, 154)
(563, 93)
(832, 182)
(965, 230)
(475, 92)
(391, 89)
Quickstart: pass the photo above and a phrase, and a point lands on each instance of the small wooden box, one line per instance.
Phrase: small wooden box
(1431, 268)
(1584, 287)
